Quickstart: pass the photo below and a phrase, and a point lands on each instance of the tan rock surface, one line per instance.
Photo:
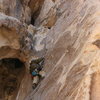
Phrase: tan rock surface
(72, 59)
(67, 33)
(9, 35)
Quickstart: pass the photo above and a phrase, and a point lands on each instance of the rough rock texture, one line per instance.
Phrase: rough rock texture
(16, 41)
(73, 56)
(67, 33)
(11, 45)
(12, 38)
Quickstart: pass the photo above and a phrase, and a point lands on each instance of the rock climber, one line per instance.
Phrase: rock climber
(36, 70)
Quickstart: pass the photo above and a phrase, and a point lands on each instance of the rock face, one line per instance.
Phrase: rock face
(72, 58)
(67, 33)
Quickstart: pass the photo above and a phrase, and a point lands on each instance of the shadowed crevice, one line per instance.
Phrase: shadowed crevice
(12, 71)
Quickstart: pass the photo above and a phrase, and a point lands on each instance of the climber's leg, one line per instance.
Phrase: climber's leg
(42, 74)
(35, 81)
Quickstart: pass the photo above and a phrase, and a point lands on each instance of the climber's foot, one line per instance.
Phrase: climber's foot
(34, 85)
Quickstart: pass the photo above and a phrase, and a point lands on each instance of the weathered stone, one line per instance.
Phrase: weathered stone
(12, 32)
(31, 29)
(72, 60)
(35, 5)
(66, 33)
(97, 43)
